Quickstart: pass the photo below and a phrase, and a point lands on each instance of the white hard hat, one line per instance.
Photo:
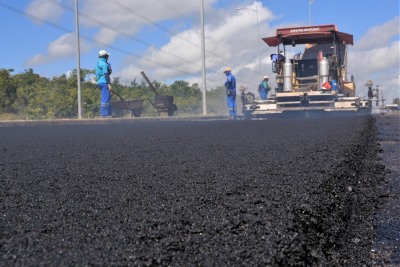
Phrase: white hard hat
(266, 77)
(227, 69)
(103, 53)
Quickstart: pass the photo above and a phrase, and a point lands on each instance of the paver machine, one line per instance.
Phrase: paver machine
(312, 82)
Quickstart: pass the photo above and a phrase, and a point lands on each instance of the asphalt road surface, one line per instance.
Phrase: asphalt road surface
(386, 245)
(301, 192)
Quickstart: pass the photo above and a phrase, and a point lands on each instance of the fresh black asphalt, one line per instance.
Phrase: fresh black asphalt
(287, 192)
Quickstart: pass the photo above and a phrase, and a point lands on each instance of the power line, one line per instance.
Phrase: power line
(88, 38)
(172, 33)
(144, 18)
(173, 8)
(157, 25)
(115, 30)
(131, 36)
(120, 32)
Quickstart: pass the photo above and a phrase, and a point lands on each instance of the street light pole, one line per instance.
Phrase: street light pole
(258, 36)
(78, 63)
(203, 61)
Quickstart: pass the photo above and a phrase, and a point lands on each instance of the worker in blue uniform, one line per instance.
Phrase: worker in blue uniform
(103, 71)
(263, 88)
(277, 62)
(230, 86)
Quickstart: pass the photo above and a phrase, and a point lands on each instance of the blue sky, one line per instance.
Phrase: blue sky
(162, 37)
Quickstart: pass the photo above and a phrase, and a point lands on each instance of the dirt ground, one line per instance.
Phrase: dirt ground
(301, 192)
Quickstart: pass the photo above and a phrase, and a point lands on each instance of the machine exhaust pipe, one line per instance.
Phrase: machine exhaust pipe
(287, 76)
(323, 70)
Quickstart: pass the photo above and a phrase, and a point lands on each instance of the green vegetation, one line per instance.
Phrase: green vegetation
(28, 96)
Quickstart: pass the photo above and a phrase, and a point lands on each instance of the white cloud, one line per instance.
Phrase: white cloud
(105, 36)
(231, 36)
(231, 39)
(130, 73)
(380, 34)
(129, 16)
(62, 48)
(377, 57)
(45, 10)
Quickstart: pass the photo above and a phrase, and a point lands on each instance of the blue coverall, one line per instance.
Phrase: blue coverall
(103, 79)
(275, 58)
(230, 86)
(263, 90)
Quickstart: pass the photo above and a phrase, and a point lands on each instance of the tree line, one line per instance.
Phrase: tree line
(27, 95)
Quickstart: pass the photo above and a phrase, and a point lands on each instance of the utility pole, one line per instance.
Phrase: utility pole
(203, 61)
(309, 11)
(78, 67)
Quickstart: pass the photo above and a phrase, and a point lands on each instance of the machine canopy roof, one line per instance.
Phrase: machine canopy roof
(308, 35)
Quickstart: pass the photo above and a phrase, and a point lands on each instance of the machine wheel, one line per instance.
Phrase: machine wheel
(249, 98)
(136, 113)
(172, 110)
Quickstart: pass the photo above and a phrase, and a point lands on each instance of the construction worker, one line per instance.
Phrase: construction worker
(263, 88)
(370, 93)
(103, 71)
(230, 86)
(277, 62)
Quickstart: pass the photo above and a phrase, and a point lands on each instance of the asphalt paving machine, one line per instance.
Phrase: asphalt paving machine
(314, 82)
